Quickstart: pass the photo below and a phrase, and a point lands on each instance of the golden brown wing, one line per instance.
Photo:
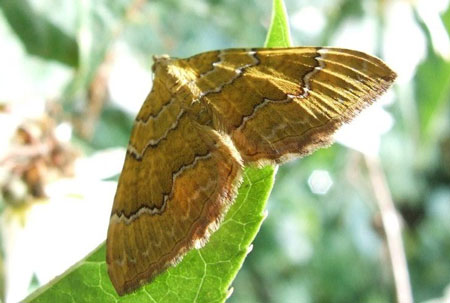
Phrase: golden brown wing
(176, 182)
(277, 103)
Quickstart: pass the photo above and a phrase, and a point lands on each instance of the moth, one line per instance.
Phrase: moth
(205, 118)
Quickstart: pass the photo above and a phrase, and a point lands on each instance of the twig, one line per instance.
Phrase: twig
(98, 87)
(392, 228)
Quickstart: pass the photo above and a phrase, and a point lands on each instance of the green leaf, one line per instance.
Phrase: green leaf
(432, 87)
(432, 95)
(204, 275)
(39, 36)
(279, 34)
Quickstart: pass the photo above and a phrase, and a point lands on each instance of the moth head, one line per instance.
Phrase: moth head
(158, 60)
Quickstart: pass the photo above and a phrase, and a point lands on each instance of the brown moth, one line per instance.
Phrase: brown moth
(205, 118)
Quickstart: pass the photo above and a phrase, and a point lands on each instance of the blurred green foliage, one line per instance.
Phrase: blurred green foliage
(39, 36)
(311, 248)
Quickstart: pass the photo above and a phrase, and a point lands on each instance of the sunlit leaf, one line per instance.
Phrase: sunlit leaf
(39, 36)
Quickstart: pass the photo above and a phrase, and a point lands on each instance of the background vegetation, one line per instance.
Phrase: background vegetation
(74, 73)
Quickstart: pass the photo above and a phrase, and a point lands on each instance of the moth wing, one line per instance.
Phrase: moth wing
(279, 103)
(177, 179)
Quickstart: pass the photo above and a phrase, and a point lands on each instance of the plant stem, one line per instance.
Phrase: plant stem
(392, 229)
